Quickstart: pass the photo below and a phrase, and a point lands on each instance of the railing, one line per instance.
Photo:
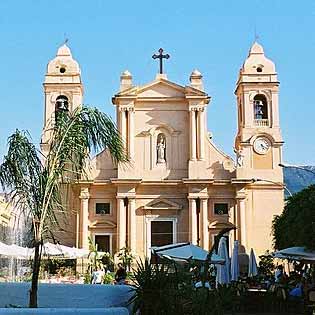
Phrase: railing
(261, 122)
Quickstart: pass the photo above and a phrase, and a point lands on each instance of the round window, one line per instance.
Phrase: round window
(259, 69)
(62, 70)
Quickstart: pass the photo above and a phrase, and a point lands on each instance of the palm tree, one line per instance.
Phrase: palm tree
(36, 183)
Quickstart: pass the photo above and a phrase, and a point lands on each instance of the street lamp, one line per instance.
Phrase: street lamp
(254, 180)
(297, 167)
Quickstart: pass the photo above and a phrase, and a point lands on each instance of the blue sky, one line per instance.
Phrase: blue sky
(107, 37)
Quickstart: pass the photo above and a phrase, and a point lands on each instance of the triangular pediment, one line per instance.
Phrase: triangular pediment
(102, 224)
(162, 204)
(161, 88)
(220, 225)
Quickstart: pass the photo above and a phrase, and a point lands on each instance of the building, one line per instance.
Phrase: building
(179, 186)
(5, 211)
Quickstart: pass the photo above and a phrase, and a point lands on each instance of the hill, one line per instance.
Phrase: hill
(297, 179)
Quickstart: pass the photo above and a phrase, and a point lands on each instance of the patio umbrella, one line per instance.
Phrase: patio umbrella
(296, 253)
(223, 271)
(235, 268)
(186, 251)
(252, 265)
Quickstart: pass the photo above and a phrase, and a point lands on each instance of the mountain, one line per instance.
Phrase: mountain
(296, 179)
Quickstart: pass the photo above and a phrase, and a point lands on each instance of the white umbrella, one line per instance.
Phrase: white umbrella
(16, 251)
(296, 253)
(235, 268)
(252, 265)
(50, 249)
(223, 271)
(21, 252)
(185, 252)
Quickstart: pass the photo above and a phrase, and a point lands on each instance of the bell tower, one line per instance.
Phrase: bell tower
(63, 89)
(258, 142)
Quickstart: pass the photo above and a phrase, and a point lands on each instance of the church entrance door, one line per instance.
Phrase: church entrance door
(161, 233)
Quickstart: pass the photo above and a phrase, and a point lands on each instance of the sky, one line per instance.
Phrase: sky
(108, 37)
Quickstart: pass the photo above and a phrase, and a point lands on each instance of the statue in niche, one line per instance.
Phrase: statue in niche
(239, 158)
(161, 149)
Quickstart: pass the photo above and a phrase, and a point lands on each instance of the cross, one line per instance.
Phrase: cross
(66, 39)
(161, 57)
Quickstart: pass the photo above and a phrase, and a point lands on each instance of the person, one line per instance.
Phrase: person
(120, 275)
(97, 276)
(278, 273)
(297, 291)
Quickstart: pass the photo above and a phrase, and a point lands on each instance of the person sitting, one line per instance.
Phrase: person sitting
(97, 276)
(297, 291)
(120, 275)
(279, 274)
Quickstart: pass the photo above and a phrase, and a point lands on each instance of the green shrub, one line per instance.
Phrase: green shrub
(108, 278)
(168, 290)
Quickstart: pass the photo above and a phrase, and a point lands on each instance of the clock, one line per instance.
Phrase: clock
(262, 145)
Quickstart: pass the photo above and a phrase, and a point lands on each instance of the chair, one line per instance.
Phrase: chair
(281, 298)
(310, 302)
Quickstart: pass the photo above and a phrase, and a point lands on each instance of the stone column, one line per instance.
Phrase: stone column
(192, 221)
(132, 228)
(193, 145)
(84, 196)
(204, 223)
(121, 224)
(201, 133)
(131, 145)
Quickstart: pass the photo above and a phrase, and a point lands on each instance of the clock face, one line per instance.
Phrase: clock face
(262, 145)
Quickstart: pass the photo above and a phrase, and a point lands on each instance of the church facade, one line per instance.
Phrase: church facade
(178, 186)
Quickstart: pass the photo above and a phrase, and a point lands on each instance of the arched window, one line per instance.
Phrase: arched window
(260, 107)
(62, 104)
(161, 149)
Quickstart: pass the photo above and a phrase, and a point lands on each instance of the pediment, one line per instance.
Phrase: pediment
(221, 225)
(162, 204)
(162, 88)
(102, 224)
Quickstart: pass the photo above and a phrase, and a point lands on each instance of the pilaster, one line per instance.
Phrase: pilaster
(85, 196)
(132, 228)
(241, 218)
(204, 232)
(121, 223)
(192, 221)
(193, 137)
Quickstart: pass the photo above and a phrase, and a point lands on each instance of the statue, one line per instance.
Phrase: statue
(239, 158)
(160, 149)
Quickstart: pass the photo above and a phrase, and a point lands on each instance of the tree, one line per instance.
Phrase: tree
(295, 226)
(36, 184)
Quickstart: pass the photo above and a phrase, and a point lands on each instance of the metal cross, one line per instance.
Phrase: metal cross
(161, 57)
(66, 39)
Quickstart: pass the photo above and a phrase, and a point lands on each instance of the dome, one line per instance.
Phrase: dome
(257, 62)
(196, 73)
(64, 50)
(256, 49)
(126, 73)
(63, 63)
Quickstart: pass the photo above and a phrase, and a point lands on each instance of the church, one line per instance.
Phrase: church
(178, 186)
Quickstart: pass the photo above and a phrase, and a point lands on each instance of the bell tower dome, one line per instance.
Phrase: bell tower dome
(258, 141)
(63, 89)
